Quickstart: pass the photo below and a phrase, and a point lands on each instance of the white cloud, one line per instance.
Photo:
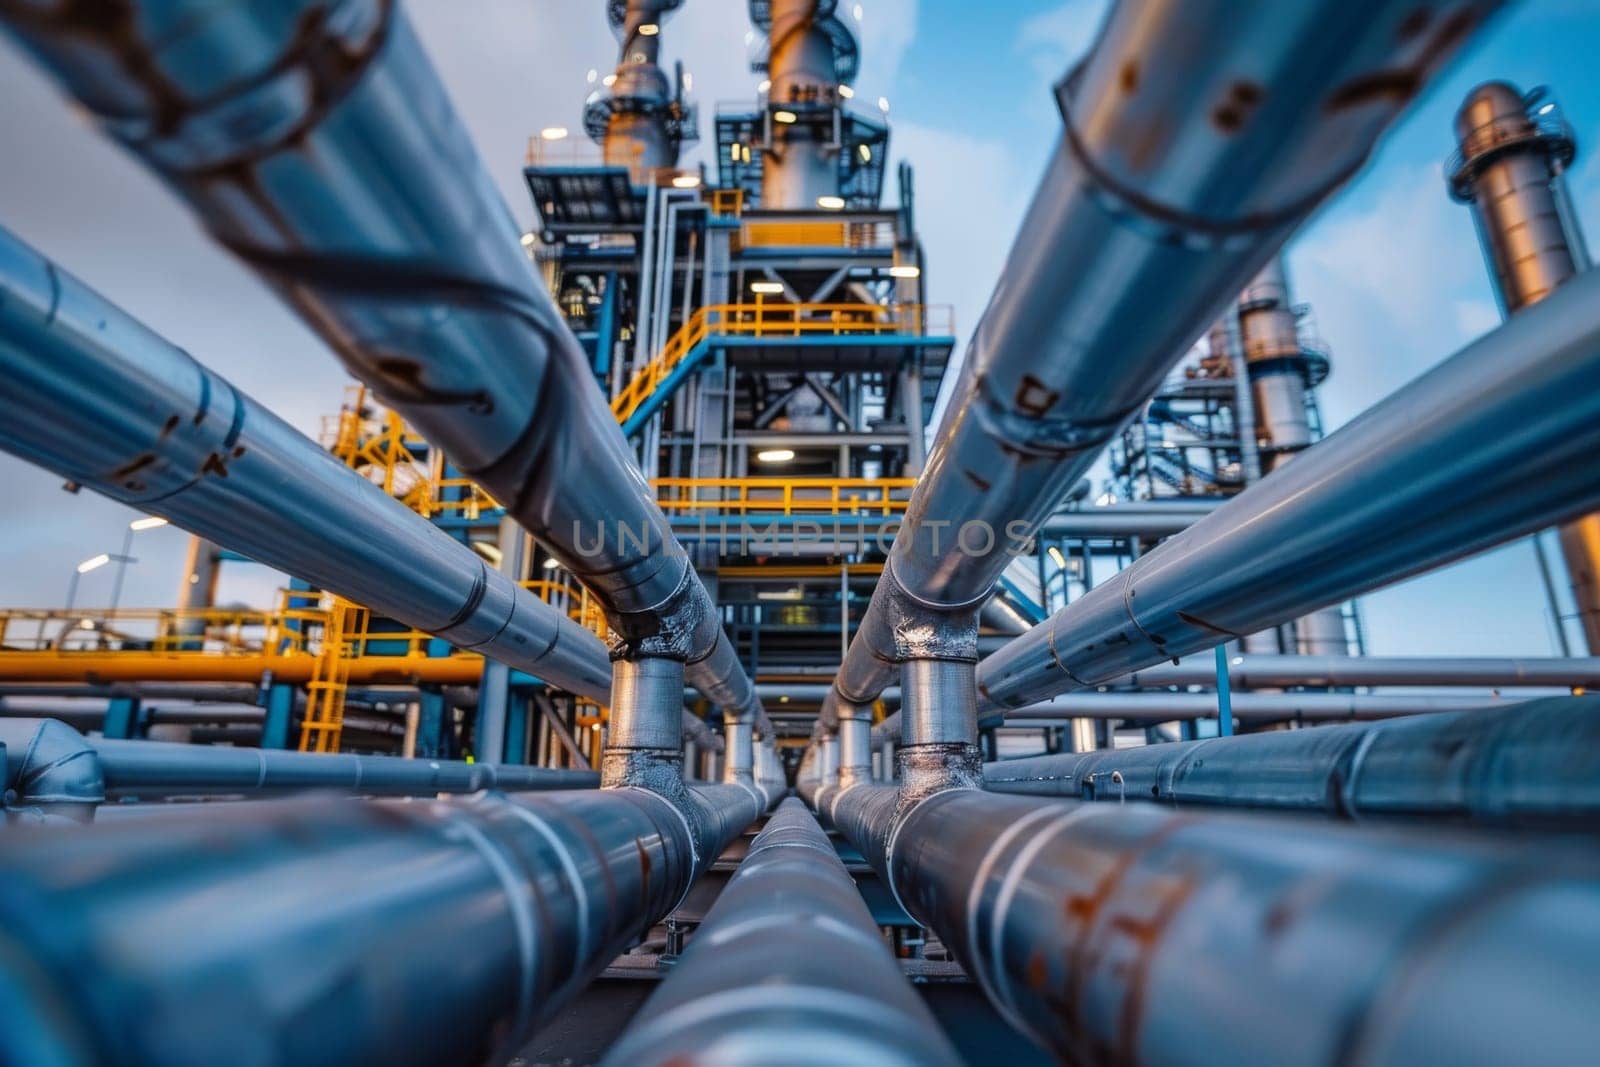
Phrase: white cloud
(1053, 41)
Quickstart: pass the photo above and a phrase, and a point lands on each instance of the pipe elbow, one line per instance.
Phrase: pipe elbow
(57, 766)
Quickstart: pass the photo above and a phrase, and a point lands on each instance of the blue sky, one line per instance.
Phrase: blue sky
(1391, 267)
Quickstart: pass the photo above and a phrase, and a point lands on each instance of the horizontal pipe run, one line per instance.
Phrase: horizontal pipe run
(353, 188)
(789, 964)
(1537, 764)
(1423, 478)
(159, 768)
(1101, 929)
(1247, 708)
(154, 429)
(1260, 672)
(435, 931)
(1191, 151)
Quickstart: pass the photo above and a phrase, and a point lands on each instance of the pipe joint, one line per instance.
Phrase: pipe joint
(49, 764)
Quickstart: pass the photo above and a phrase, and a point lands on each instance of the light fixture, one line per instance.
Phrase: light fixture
(688, 82)
(595, 727)
(846, 92)
(766, 288)
(775, 455)
(733, 151)
(858, 12)
(744, 151)
(830, 203)
(149, 523)
(649, 29)
(764, 86)
(591, 76)
(783, 700)
(905, 270)
(553, 133)
(551, 564)
(92, 562)
(1546, 109)
(865, 152)
(609, 80)
(85, 624)
(785, 117)
(1237, 661)
(883, 103)
(1055, 554)
(686, 181)
(527, 240)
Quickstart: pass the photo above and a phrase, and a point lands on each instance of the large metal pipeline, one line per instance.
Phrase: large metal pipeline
(1246, 707)
(788, 965)
(426, 931)
(154, 429)
(1198, 136)
(1536, 764)
(1105, 930)
(45, 752)
(638, 122)
(316, 142)
(1262, 672)
(1508, 166)
(1494, 443)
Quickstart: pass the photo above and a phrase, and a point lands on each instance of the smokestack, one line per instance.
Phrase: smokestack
(642, 119)
(1511, 153)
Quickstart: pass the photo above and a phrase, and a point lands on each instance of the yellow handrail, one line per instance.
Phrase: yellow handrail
(784, 496)
(778, 320)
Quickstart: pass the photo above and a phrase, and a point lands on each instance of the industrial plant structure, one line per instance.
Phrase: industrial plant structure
(657, 683)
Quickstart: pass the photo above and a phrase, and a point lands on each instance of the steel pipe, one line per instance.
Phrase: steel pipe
(787, 964)
(441, 931)
(160, 769)
(1262, 672)
(1198, 136)
(1100, 930)
(353, 188)
(153, 429)
(1425, 477)
(1535, 764)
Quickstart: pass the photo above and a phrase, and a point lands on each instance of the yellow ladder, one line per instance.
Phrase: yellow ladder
(323, 724)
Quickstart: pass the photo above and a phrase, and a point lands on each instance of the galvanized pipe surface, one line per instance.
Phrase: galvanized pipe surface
(433, 931)
(1199, 134)
(315, 141)
(159, 768)
(154, 429)
(1537, 764)
(788, 965)
(1425, 477)
(1102, 931)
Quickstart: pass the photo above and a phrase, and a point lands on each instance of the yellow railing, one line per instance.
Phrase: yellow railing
(812, 233)
(784, 496)
(219, 631)
(763, 319)
(580, 606)
(322, 726)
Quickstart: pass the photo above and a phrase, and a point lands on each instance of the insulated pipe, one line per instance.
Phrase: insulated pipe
(155, 430)
(1427, 476)
(1509, 165)
(439, 931)
(1199, 134)
(316, 143)
(1100, 930)
(788, 965)
(1532, 765)
(1247, 708)
(158, 768)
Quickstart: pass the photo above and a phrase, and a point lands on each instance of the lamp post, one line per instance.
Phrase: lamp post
(90, 564)
(149, 522)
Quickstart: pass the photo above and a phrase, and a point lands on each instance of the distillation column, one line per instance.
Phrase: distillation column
(643, 120)
(1282, 372)
(803, 99)
(1508, 166)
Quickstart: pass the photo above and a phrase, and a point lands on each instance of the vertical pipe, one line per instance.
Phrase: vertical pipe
(1508, 166)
